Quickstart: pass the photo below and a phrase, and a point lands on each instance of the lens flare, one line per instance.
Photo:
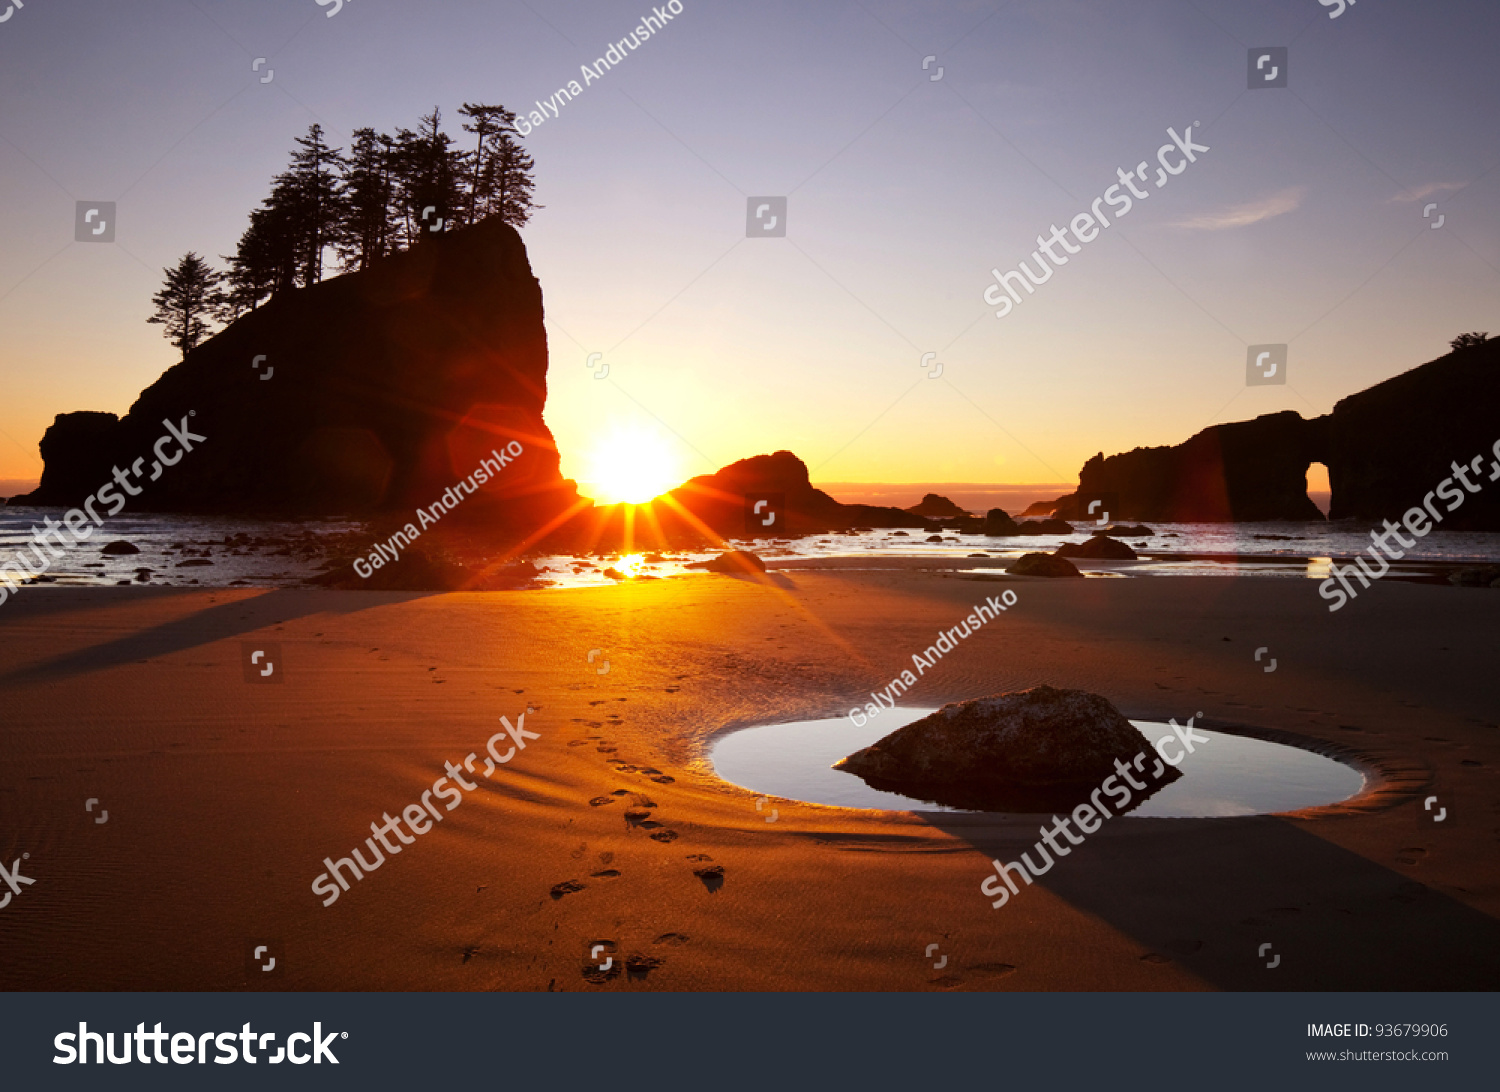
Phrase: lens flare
(632, 466)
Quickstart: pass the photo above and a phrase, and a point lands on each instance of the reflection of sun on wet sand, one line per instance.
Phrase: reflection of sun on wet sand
(610, 838)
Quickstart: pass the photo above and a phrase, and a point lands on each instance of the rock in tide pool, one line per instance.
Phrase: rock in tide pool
(1026, 751)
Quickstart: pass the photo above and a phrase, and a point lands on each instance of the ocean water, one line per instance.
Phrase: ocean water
(221, 551)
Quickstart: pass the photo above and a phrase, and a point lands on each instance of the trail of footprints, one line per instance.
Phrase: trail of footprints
(601, 966)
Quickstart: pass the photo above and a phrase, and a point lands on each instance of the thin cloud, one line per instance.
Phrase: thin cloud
(1252, 212)
(1427, 191)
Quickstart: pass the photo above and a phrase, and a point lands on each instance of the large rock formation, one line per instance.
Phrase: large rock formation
(1029, 750)
(1392, 444)
(725, 503)
(369, 392)
(937, 506)
(1386, 448)
(1248, 470)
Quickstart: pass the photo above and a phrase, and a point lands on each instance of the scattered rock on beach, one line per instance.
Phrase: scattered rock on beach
(414, 570)
(1476, 576)
(1099, 546)
(1042, 565)
(1045, 527)
(120, 546)
(731, 561)
(1029, 750)
(997, 522)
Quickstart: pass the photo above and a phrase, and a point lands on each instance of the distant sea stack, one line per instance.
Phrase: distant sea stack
(370, 392)
(1248, 470)
(724, 502)
(937, 506)
(1386, 449)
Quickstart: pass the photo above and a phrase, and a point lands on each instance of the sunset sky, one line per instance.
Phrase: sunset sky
(1303, 223)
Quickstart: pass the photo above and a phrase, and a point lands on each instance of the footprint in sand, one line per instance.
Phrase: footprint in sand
(600, 951)
(674, 939)
(953, 980)
(567, 887)
(712, 877)
(635, 817)
(992, 970)
(470, 952)
(606, 874)
(637, 967)
(1410, 892)
(665, 836)
(600, 801)
(699, 857)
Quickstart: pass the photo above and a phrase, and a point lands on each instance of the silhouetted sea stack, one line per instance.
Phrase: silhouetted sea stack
(373, 391)
(1391, 445)
(1042, 749)
(936, 506)
(725, 502)
(1386, 448)
(1248, 470)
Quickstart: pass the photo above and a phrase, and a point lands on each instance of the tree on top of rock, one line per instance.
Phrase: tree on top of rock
(189, 299)
(429, 171)
(499, 170)
(316, 194)
(368, 232)
(1468, 341)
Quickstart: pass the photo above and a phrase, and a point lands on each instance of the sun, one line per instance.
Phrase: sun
(632, 466)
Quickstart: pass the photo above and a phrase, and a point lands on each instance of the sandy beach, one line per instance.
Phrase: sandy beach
(224, 796)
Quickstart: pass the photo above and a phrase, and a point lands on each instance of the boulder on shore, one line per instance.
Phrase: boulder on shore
(731, 561)
(1099, 546)
(1045, 527)
(1042, 565)
(1041, 749)
(997, 522)
(1476, 576)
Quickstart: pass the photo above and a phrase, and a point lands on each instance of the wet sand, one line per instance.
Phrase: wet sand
(224, 796)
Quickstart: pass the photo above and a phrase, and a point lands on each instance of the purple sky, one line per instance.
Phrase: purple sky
(1302, 225)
